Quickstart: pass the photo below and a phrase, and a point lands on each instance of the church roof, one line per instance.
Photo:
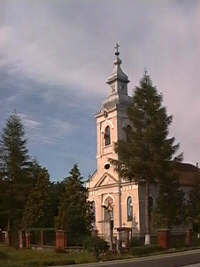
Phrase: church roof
(116, 100)
(117, 74)
(188, 174)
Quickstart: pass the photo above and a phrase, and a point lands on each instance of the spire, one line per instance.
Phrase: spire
(118, 82)
(118, 79)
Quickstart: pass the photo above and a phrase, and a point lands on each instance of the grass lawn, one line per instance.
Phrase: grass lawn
(10, 257)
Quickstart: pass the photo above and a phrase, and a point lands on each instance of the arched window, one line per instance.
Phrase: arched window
(107, 135)
(129, 209)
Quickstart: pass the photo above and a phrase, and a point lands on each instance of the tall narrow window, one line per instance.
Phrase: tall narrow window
(107, 135)
(129, 209)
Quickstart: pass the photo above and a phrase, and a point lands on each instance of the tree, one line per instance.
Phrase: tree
(15, 171)
(74, 215)
(193, 208)
(56, 192)
(148, 152)
(169, 209)
(37, 212)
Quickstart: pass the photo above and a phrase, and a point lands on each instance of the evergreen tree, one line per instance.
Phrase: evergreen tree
(56, 192)
(14, 170)
(169, 209)
(148, 152)
(74, 212)
(193, 208)
(37, 211)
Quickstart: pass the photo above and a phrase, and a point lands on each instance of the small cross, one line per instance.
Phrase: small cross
(117, 49)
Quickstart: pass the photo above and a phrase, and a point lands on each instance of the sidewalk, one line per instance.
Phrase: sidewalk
(136, 260)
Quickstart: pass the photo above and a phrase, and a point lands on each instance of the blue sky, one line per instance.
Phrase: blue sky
(55, 56)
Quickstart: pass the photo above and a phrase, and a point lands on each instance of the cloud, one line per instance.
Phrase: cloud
(56, 55)
(49, 132)
(29, 123)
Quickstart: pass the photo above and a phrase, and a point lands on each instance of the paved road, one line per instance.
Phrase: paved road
(187, 259)
(194, 265)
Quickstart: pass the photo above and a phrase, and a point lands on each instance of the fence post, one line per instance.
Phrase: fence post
(61, 240)
(1, 236)
(42, 238)
(163, 238)
(28, 240)
(188, 237)
(8, 238)
(21, 241)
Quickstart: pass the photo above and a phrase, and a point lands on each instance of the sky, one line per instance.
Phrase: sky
(56, 55)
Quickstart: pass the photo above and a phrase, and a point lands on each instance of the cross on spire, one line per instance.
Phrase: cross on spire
(145, 71)
(117, 49)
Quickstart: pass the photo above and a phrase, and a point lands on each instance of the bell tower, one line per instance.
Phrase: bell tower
(118, 80)
(112, 117)
(105, 186)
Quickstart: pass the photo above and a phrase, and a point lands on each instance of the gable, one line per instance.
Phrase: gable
(106, 179)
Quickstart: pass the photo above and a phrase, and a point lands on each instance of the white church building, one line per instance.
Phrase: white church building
(114, 198)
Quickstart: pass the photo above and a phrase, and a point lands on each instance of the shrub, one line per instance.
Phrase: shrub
(141, 251)
(60, 250)
(96, 245)
(3, 255)
(135, 242)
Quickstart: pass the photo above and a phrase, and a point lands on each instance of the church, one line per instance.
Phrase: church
(114, 199)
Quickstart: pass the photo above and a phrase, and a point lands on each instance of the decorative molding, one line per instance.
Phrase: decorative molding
(111, 180)
(106, 196)
(108, 121)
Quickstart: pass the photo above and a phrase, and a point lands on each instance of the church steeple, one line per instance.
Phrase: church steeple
(118, 80)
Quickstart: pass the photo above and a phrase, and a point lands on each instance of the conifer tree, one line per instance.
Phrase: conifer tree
(14, 169)
(74, 211)
(169, 209)
(193, 208)
(148, 151)
(37, 212)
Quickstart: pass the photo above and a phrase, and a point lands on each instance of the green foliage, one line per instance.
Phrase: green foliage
(170, 208)
(31, 258)
(75, 216)
(3, 255)
(143, 251)
(135, 242)
(96, 245)
(15, 178)
(37, 209)
(193, 206)
(56, 191)
(146, 156)
(148, 152)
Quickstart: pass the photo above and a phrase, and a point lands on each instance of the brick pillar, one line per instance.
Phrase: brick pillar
(188, 237)
(163, 238)
(9, 238)
(42, 238)
(61, 240)
(1, 236)
(28, 239)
